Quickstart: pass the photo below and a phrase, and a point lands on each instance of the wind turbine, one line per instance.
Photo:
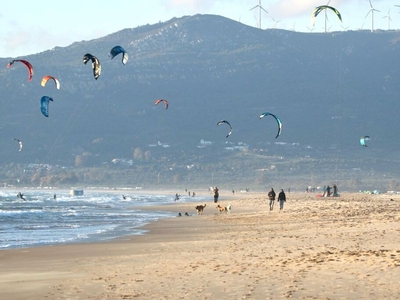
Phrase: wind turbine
(259, 12)
(389, 19)
(371, 10)
(275, 22)
(326, 16)
(344, 28)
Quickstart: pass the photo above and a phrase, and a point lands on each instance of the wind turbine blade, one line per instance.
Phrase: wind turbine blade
(370, 4)
(368, 13)
(264, 10)
(253, 7)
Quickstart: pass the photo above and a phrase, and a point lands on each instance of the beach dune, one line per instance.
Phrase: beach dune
(316, 248)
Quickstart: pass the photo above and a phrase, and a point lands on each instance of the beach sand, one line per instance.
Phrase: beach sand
(316, 248)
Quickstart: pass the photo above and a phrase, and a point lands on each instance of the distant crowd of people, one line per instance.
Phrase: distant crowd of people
(328, 191)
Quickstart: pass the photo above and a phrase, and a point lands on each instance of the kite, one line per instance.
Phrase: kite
(363, 140)
(162, 100)
(26, 63)
(117, 50)
(46, 78)
(318, 9)
(226, 122)
(95, 64)
(277, 120)
(44, 105)
(19, 142)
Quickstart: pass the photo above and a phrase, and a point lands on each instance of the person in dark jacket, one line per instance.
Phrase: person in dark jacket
(216, 194)
(271, 197)
(281, 199)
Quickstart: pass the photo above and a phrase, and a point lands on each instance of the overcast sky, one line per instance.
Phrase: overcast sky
(32, 26)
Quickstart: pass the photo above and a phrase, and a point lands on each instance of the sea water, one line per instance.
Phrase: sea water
(96, 216)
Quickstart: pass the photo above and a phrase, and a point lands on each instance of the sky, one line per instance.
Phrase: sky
(29, 27)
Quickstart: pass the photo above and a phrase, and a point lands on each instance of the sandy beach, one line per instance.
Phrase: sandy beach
(316, 248)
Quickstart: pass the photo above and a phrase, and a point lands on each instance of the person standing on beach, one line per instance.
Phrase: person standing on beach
(271, 197)
(335, 191)
(324, 194)
(281, 199)
(328, 191)
(216, 194)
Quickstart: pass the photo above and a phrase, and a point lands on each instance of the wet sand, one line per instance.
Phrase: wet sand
(316, 248)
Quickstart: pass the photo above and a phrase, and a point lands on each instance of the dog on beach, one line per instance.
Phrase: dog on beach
(186, 214)
(200, 209)
(221, 208)
(225, 209)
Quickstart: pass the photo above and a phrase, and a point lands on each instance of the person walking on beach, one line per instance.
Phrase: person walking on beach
(281, 199)
(271, 197)
(216, 194)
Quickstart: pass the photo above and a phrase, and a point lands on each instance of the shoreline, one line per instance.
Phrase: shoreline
(136, 229)
(345, 247)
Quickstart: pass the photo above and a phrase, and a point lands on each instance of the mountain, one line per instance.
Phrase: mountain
(328, 89)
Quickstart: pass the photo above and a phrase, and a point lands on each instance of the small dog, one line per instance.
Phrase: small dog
(225, 209)
(200, 209)
(221, 208)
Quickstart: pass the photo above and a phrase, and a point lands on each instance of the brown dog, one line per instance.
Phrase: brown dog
(221, 208)
(200, 209)
(225, 209)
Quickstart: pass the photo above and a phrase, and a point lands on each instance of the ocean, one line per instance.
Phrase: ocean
(41, 220)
